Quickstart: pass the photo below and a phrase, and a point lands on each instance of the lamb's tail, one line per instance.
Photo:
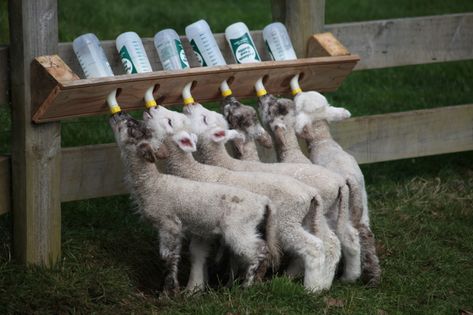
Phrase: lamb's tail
(268, 229)
(356, 201)
(316, 214)
(343, 207)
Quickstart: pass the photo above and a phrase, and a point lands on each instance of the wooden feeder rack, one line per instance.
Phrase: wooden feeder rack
(61, 94)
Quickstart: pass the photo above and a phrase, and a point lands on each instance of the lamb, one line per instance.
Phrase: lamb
(313, 112)
(294, 202)
(177, 206)
(214, 153)
(333, 187)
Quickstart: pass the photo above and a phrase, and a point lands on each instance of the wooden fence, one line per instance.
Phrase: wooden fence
(95, 170)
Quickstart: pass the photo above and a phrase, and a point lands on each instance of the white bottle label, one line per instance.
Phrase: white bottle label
(244, 49)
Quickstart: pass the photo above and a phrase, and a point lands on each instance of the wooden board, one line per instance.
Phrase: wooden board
(302, 19)
(402, 135)
(381, 44)
(96, 170)
(408, 41)
(5, 185)
(4, 75)
(74, 98)
(36, 150)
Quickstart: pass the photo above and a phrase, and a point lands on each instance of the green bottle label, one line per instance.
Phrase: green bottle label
(198, 54)
(126, 61)
(182, 54)
(244, 50)
(269, 50)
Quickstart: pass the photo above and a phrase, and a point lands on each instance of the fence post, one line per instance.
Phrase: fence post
(36, 149)
(302, 18)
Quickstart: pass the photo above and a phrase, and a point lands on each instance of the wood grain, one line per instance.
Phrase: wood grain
(96, 170)
(36, 150)
(5, 185)
(325, 44)
(4, 75)
(302, 19)
(85, 97)
(408, 41)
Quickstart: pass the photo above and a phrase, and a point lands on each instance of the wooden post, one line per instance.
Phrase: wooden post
(303, 18)
(36, 159)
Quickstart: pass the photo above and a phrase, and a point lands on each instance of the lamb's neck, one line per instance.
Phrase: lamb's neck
(213, 154)
(142, 177)
(319, 132)
(250, 153)
(179, 161)
(287, 148)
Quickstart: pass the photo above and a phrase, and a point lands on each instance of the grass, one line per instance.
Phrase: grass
(420, 208)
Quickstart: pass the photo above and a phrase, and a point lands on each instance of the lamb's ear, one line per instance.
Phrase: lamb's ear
(239, 145)
(279, 134)
(162, 152)
(146, 115)
(185, 142)
(146, 152)
(337, 113)
(233, 134)
(265, 140)
(305, 133)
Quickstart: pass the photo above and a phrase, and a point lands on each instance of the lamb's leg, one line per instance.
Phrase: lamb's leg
(295, 268)
(349, 239)
(199, 250)
(170, 251)
(310, 249)
(253, 251)
(371, 271)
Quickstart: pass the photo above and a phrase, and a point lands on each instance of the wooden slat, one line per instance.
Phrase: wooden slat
(96, 170)
(4, 77)
(5, 185)
(302, 19)
(91, 171)
(73, 98)
(407, 134)
(36, 150)
(408, 41)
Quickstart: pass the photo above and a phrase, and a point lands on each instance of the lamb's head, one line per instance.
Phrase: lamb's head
(210, 126)
(312, 106)
(165, 123)
(134, 138)
(277, 114)
(244, 119)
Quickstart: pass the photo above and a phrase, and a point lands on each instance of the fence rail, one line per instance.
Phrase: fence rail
(96, 170)
(380, 44)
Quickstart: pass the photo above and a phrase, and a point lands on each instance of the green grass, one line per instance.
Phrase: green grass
(420, 208)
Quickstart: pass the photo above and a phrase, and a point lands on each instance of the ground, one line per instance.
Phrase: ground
(421, 209)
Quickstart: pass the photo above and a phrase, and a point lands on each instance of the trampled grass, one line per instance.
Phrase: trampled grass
(421, 209)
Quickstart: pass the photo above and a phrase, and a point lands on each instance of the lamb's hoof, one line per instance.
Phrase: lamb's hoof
(193, 290)
(371, 281)
(171, 287)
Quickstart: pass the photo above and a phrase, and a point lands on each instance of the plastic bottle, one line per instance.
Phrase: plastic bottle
(241, 43)
(132, 53)
(277, 42)
(94, 63)
(91, 56)
(204, 45)
(170, 50)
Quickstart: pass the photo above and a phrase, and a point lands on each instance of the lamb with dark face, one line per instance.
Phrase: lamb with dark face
(178, 207)
(244, 119)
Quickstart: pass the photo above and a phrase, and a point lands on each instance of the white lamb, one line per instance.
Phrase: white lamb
(313, 112)
(294, 201)
(332, 186)
(179, 207)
